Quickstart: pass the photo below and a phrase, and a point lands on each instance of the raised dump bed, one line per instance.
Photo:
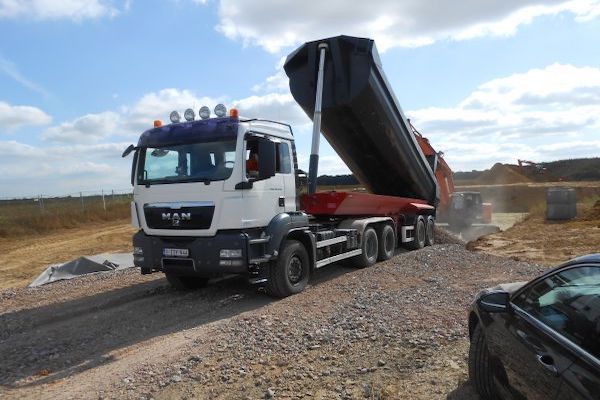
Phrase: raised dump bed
(361, 117)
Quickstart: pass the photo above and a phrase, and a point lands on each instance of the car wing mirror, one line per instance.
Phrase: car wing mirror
(128, 150)
(494, 302)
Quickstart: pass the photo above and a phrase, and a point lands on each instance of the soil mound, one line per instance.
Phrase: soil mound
(593, 214)
(501, 174)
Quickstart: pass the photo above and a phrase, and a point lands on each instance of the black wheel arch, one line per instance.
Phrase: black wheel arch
(307, 240)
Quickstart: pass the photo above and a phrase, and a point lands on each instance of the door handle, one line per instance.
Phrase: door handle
(547, 362)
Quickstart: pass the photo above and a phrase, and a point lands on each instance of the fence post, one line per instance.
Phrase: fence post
(103, 202)
(81, 196)
(41, 202)
(113, 195)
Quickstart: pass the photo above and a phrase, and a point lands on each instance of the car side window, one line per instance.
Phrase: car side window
(569, 303)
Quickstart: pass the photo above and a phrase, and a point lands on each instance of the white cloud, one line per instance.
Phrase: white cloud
(130, 121)
(409, 23)
(14, 117)
(27, 170)
(87, 129)
(538, 114)
(273, 106)
(61, 9)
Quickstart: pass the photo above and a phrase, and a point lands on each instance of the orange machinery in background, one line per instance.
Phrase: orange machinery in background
(464, 208)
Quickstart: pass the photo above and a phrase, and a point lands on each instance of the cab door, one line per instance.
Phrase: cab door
(264, 187)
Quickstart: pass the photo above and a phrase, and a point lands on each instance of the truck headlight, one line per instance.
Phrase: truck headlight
(138, 251)
(230, 253)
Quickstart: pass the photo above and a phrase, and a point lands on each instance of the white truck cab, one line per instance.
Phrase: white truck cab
(213, 196)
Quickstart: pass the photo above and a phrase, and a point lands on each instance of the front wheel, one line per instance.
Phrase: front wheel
(186, 282)
(289, 274)
(480, 366)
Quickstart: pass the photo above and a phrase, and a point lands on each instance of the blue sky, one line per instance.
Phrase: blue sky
(485, 80)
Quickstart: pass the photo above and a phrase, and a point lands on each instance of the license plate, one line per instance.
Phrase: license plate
(176, 252)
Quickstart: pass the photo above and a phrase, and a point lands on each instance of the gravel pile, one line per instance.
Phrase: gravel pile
(395, 330)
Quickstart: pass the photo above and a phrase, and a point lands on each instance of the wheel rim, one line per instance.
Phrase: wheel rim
(421, 232)
(371, 247)
(295, 270)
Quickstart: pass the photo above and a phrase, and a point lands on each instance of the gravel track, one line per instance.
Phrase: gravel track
(395, 330)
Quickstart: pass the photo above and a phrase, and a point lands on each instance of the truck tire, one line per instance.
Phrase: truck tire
(420, 234)
(430, 232)
(387, 242)
(480, 366)
(180, 282)
(370, 250)
(289, 274)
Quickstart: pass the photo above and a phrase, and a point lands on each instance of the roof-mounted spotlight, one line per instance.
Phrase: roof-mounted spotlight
(204, 112)
(220, 110)
(189, 115)
(175, 117)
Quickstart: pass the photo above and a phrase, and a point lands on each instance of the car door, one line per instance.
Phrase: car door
(553, 318)
(582, 334)
(532, 362)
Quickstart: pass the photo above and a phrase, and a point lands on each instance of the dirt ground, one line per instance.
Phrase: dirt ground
(21, 260)
(546, 242)
(397, 330)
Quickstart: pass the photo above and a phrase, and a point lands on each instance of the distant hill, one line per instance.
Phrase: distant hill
(336, 180)
(581, 169)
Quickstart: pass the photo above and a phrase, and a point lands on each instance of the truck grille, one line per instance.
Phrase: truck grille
(181, 216)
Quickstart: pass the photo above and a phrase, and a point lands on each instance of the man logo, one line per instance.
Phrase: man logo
(176, 218)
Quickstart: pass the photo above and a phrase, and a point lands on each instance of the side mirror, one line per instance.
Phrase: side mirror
(494, 302)
(128, 150)
(266, 158)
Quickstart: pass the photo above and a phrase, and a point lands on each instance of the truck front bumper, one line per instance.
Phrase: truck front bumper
(203, 256)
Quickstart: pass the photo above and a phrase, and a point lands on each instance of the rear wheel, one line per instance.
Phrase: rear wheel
(430, 232)
(180, 282)
(370, 250)
(480, 366)
(387, 242)
(420, 234)
(289, 274)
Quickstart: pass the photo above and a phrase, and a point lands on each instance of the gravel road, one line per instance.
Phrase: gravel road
(395, 330)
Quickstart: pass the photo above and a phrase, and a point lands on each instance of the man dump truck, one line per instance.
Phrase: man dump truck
(217, 196)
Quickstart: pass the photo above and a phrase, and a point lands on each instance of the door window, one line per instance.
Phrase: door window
(569, 303)
(283, 159)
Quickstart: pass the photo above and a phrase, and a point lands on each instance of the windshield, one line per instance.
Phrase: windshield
(208, 161)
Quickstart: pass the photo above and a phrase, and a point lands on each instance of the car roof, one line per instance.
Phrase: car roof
(589, 258)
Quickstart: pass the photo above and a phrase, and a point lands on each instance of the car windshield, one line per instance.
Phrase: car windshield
(206, 161)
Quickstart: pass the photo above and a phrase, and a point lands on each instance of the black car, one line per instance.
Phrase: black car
(539, 340)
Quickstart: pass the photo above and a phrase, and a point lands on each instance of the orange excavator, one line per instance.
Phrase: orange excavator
(459, 209)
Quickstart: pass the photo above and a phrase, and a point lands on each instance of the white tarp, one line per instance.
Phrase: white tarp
(84, 265)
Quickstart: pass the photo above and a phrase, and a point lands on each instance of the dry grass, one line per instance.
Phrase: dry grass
(27, 217)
